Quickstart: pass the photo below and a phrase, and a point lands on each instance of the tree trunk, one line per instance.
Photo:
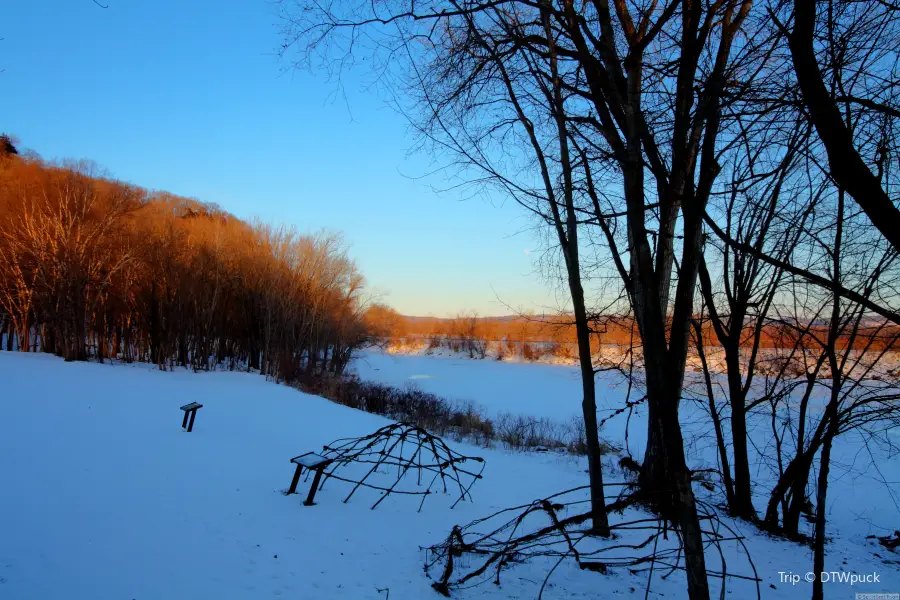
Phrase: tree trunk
(79, 337)
(824, 466)
(667, 480)
(714, 414)
(793, 480)
(155, 354)
(589, 411)
(24, 335)
(253, 358)
(743, 501)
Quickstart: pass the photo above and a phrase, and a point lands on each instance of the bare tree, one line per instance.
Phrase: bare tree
(765, 208)
(622, 92)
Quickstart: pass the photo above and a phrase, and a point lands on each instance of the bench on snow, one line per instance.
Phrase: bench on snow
(189, 409)
(312, 462)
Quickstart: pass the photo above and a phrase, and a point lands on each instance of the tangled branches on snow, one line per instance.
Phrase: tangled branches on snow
(386, 460)
(558, 528)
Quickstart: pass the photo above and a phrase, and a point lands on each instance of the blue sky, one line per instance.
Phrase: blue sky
(187, 96)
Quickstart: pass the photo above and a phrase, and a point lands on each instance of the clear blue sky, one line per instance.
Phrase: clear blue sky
(187, 96)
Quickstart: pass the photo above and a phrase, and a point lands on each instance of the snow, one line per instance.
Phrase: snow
(104, 496)
(865, 490)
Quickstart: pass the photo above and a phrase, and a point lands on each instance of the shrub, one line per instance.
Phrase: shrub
(522, 432)
(460, 420)
(501, 353)
(528, 352)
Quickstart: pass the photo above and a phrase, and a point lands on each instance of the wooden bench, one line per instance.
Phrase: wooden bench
(313, 462)
(189, 409)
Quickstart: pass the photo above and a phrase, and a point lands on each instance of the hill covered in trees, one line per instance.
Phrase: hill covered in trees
(91, 267)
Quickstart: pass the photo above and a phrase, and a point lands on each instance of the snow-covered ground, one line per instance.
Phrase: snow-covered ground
(864, 494)
(103, 496)
(865, 491)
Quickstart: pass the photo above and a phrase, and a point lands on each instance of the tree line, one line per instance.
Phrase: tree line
(724, 167)
(555, 333)
(92, 268)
